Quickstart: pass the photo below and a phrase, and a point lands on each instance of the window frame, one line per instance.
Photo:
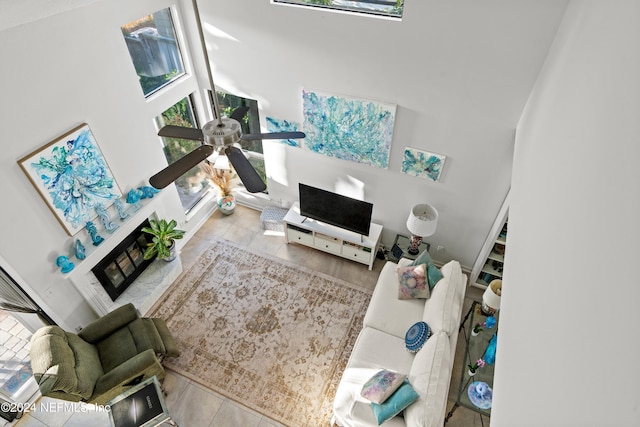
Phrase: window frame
(347, 9)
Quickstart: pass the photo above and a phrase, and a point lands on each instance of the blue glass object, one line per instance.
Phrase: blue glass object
(64, 264)
(121, 209)
(80, 250)
(490, 353)
(93, 232)
(133, 198)
(490, 322)
(104, 217)
(147, 192)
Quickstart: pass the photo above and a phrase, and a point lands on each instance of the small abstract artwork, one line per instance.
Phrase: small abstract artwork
(422, 164)
(72, 177)
(277, 125)
(350, 129)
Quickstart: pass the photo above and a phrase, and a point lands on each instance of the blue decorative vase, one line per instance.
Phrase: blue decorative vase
(64, 264)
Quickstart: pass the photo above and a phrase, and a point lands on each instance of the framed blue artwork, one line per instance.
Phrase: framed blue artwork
(422, 164)
(278, 125)
(350, 129)
(72, 177)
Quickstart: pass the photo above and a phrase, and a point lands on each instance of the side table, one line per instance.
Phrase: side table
(141, 406)
(475, 348)
(403, 242)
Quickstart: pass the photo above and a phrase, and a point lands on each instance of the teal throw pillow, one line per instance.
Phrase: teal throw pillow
(404, 396)
(433, 273)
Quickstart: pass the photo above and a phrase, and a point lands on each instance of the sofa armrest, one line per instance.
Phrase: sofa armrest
(120, 378)
(109, 323)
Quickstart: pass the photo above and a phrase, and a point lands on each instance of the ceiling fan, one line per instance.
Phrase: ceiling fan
(219, 136)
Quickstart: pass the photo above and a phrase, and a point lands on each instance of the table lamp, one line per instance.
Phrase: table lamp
(422, 222)
(491, 297)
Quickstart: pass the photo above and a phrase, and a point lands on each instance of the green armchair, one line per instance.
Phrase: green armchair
(107, 357)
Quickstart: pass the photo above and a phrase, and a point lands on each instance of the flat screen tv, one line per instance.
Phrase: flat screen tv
(335, 209)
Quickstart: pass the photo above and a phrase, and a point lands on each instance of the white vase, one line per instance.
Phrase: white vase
(474, 333)
(471, 373)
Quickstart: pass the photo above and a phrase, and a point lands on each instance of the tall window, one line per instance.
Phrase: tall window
(154, 50)
(372, 7)
(193, 184)
(250, 124)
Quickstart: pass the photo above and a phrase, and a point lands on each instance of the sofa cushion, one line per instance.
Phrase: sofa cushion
(430, 376)
(373, 350)
(433, 274)
(404, 396)
(386, 312)
(445, 302)
(416, 336)
(412, 282)
(382, 385)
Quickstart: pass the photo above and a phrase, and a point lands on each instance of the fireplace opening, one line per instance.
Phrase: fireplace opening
(120, 268)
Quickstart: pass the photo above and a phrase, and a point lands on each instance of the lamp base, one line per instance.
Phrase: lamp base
(414, 246)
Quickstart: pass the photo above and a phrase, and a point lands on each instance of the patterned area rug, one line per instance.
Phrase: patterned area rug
(264, 332)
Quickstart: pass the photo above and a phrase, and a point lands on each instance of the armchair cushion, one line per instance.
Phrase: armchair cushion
(116, 381)
(87, 364)
(109, 323)
(117, 348)
(146, 336)
(169, 343)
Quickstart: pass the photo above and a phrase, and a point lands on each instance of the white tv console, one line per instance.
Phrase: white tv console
(331, 239)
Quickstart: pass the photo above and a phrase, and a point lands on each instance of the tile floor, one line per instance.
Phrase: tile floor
(14, 353)
(192, 405)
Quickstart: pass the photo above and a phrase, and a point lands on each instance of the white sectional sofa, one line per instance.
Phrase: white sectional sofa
(381, 345)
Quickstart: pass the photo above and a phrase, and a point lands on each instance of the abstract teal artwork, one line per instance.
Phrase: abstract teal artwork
(277, 125)
(350, 129)
(72, 177)
(422, 164)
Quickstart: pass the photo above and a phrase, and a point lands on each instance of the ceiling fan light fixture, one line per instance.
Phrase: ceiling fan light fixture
(222, 136)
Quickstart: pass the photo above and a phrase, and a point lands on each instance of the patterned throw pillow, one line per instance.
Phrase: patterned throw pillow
(433, 274)
(412, 282)
(404, 396)
(382, 385)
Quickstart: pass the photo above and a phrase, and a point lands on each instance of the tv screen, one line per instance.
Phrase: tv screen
(335, 209)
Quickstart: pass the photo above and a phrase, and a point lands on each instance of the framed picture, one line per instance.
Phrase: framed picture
(422, 164)
(72, 177)
(353, 129)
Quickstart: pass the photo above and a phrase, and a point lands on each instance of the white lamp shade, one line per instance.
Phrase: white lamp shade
(491, 297)
(423, 220)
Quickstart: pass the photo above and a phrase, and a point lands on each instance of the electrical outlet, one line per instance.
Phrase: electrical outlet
(49, 292)
(440, 249)
(78, 328)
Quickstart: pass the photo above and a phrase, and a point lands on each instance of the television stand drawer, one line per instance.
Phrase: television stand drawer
(356, 253)
(327, 244)
(306, 238)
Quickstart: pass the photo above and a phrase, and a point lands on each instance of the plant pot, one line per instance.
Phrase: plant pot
(471, 373)
(227, 204)
(474, 333)
(173, 253)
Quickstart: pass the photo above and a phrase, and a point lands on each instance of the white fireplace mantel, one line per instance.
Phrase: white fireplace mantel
(146, 289)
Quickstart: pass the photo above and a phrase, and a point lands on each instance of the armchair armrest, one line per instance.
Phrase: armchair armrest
(121, 377)
(109, 323)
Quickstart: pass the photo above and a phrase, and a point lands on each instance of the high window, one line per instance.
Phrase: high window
(154, 50)
(373, 7)
(194, 184)
(250, 124)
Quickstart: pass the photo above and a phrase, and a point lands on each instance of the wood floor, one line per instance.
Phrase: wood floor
(192, 405)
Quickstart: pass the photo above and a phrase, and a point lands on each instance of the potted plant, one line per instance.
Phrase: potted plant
(477, 328)
(224, 181)
(164, 236)
(474, 367)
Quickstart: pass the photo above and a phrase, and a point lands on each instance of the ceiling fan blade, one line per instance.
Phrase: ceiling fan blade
(273, 135)
(239, 113)
(248, 175)
(176, 169)
(171, 131)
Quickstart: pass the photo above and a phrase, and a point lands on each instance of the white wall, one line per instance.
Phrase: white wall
(459, 72)
(567, 349)
(59, 72)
